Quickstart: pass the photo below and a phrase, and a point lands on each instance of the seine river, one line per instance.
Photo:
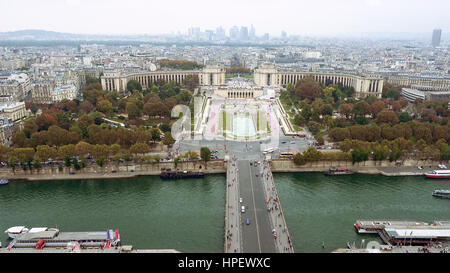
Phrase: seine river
(188, 215)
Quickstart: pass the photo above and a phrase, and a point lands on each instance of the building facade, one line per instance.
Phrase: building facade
(12, 110)
(420, 82)
(364, 85)
(412, 94)
(116, 80)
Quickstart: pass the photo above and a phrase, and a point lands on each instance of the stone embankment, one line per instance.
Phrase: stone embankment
(400, 168)
(113, 171)
(110, 171)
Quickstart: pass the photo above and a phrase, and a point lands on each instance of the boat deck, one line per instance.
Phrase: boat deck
(373, 226)
(63, 236)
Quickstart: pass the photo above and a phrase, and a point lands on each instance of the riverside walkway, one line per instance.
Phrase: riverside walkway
(254, 184)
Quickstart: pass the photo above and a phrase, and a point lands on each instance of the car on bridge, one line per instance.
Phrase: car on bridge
(243, 209)
(240, 200)
(247, 221)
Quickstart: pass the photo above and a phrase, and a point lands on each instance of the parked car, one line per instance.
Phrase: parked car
(420, 167)
(442, 166)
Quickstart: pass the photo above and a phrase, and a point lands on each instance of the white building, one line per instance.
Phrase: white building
(65, 92)
(12, 110)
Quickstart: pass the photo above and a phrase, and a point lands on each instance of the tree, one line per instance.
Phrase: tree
(205, 154)
(361, 108)
(19, 139)
(191, 155)
(346, 109)
(311, 154)
(29, 128)
(133, 110)
(115, 149)
(45, 120)
(299, 159)
(82, 148)
(377, 107)
(105, 106)
(140, 148)
(339, 134)
(387, 116)
(168, 139)
(57, 135)
(156, 134)
(191, 82)
(308, 88)
(360, 154)
(134, 85)
(66, 151)
(165, 127)
(44, 153)
(86, 106)
(404, 117)
(396, 153)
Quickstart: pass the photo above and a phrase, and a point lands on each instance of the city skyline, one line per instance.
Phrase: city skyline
(295, 18)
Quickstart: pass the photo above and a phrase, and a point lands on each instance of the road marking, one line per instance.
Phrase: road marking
(254, 206)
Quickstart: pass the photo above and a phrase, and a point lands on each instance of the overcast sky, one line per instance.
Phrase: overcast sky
(303, 17)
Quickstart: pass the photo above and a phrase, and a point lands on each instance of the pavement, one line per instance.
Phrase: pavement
(283, 241)
(233, 240)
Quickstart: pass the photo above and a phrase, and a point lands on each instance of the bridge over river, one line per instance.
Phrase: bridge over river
(253, 182)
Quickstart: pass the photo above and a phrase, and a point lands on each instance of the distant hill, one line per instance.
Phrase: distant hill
(44, 35)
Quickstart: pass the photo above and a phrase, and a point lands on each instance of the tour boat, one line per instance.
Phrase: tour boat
(440, 174)
(4, 182)
(14, 231)
(441, 193)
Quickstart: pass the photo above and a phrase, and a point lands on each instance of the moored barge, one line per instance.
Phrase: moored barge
(178, 175)
(338, 171)
(415, 235)
(55, 239)
(374, 226)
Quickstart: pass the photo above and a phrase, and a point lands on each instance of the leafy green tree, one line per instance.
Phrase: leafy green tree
(168, 139)
(105, 106)
(396, 153)
(134, 85)
(404, 117)
(156, 134)
(205, 154)
(299, 159)
(311, 154)
(360, 154)
(139, 148)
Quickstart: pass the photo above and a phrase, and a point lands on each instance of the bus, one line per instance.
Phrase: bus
(286, 155)
(268, 150)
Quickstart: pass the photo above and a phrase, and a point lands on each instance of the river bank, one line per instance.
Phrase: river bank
(112, 171)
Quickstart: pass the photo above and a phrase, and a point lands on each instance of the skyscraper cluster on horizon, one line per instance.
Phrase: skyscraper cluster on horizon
(235, 33)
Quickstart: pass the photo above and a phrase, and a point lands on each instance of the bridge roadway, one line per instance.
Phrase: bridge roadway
(254, 184)
(256, 237)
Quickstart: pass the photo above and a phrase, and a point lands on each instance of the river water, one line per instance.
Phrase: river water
(321, 210)
(188, 215)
